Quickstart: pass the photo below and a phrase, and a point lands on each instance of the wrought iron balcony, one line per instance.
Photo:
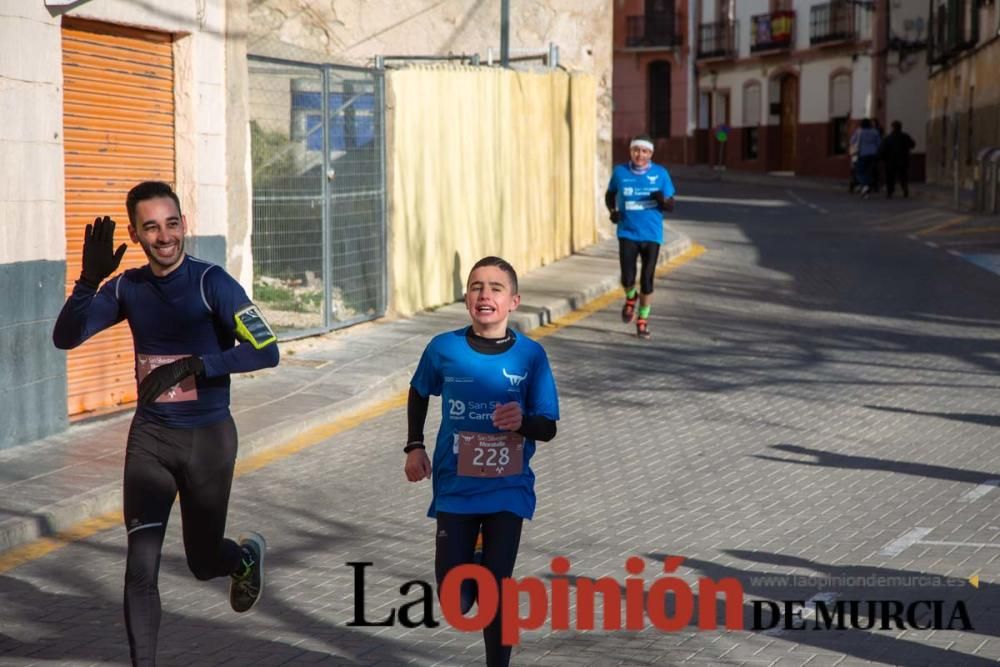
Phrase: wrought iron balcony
(651, 31)
(718, 40)
(837, 21)
(772, 31)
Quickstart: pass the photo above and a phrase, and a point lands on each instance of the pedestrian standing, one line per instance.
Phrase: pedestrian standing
(866, 142)
(895, 153)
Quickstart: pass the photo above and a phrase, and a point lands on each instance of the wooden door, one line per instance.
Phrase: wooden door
(789, 121)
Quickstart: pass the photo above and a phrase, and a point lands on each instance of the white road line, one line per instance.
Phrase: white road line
(903, 542)
(808, 611)
(765, 203)
(969, 242)
(802, 201)
(960, 544)
(931, 244)
(980, 491)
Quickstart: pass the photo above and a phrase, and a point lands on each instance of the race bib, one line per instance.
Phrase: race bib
(489, 454)
(185, 390)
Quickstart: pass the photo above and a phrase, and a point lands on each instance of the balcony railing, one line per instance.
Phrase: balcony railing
(651, 31)
(772, 31)
(834, 22)
(718, 40)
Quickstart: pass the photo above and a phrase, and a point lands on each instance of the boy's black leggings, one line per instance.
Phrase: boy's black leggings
(160, 463)
(456, 545)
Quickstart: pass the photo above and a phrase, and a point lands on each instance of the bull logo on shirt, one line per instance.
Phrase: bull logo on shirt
(515, 380)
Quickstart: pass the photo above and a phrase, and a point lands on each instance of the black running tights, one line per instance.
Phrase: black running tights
(456, 545)
(160, 463)
(628, 252)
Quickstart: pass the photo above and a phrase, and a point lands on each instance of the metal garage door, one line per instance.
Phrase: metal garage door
(118, 124)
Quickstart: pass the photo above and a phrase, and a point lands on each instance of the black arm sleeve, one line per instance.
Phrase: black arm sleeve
(538, 428)
(610, 200)
(416, 415)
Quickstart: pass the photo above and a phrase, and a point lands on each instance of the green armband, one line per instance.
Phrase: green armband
(253, 328)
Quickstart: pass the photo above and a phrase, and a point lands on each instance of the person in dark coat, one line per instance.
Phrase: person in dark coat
(876, 168)
(895, 154)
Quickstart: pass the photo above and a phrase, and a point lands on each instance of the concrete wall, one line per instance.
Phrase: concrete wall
(907, 72)
(32, 190)
(814, 88)
(949, 93)
(355, 31)
(32, 248)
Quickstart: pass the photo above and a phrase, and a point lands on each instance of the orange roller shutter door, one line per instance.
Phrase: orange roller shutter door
(118, 130)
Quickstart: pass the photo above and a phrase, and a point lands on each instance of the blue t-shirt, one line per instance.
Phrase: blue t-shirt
(190, 311)
(471, 384)
(868, 141)
(641, 219)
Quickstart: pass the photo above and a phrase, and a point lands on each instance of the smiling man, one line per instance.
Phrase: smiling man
(498, 398)
(186, 316)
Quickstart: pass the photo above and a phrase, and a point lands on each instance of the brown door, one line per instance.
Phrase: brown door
(704, 127)
(789, 121)
(118, 120)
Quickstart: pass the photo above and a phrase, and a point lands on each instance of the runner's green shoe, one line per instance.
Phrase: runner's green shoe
(247, 583)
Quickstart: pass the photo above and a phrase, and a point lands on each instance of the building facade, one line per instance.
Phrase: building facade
(787, 81)
(653, 79)
(963, 93)
(101, 94)
(98, 96)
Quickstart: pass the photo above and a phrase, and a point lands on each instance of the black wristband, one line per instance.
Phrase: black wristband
(413, 445)
(88, 282)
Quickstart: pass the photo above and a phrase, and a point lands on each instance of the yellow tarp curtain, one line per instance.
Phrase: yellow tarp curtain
(485, 161)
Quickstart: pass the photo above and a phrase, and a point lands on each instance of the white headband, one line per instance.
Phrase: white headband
(641, 143)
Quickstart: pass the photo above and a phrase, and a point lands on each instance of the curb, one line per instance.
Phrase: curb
(529, 317)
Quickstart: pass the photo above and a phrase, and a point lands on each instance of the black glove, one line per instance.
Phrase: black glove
(616, 216)
(166, 376)
(99, 261)
(662, 203)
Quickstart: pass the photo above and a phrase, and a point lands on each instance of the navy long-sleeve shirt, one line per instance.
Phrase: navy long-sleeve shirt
(192, 311)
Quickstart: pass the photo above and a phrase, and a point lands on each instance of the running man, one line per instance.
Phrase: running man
(498, 397)
(186, 316)
(638, 194)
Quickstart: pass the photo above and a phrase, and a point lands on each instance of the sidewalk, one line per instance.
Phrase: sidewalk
(52, 484)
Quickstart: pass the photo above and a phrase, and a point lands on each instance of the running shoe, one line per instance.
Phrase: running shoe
(628, 311)
(642, 328)
(247, 583)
